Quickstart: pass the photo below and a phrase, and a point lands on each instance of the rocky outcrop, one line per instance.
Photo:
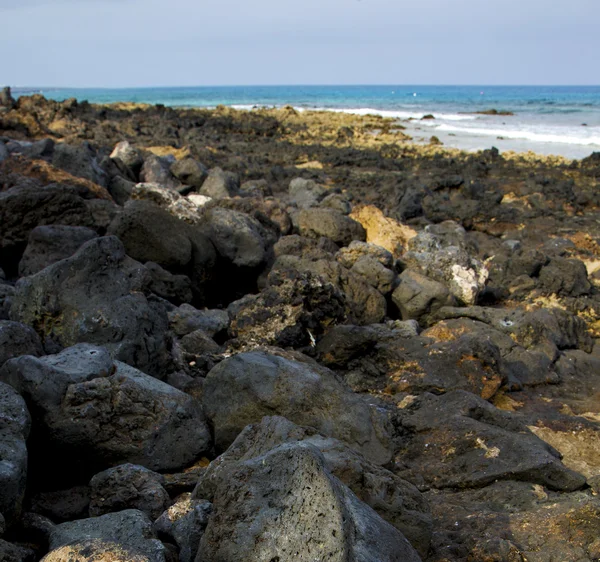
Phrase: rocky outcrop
(246, 387)
(97, 296)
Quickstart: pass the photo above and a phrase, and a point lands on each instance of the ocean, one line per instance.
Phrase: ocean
(562, 120)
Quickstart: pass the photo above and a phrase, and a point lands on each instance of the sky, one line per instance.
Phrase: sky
(134, 43)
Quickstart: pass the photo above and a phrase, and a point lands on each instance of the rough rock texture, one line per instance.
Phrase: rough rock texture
(440, 252)
(418, 296)
(97, 296)
(17, 339)
(285, 504)
(383, 231)
(49, 244)
(127, 158)
(315, 223)
(105, 413)
(14, 430)
(238, 238)
(79, 161)
(151, 234)
(246, 387)
(387, 359)
(295, 308)
(184, 524)
(129, 531)
(99, 550)
(445, 434)
(189, 172)
(305, 193)
(128, 486)
(26, 206)
(220, 184)
(156, 170)
(363, 303)
(394, 499)
(186, 319)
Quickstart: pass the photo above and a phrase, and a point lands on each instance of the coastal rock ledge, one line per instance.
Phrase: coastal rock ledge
(277, 336)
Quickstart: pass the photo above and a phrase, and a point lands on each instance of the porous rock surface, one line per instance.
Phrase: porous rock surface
(393, 347)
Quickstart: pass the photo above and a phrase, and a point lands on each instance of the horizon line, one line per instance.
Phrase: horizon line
(415, 85)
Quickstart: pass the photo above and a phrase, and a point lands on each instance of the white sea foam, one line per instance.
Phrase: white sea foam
(591, 136)
(393, 114)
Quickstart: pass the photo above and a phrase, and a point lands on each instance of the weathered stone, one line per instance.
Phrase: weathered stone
(186, 319)
(103, 416)
(273, 506)
(156, 170)
(97, 296)
(220, 184)
(447, 433)
(49, 244)
(128, 486)
(317, 222)
(440, 252)
(418, 296)
(128, 158)
(17, 339)
(305, 193)
(293, 309)
(129, 531)
(151, 234)
(14, 430)
(394, 499)
(79, 161)
(189, 172)
(238, 238)
(244, 388)
(184, 523)
(383, 231)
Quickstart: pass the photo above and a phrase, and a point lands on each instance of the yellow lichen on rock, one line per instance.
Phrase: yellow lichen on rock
(383, 231)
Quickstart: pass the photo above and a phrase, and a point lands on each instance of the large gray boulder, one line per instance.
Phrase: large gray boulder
(441, 252)
(243, 389)
(150, 233)
(418, 296)
(27, 205)
(239, 238)
(318, 222)
(157, 170)
(128, 486)
(128, 159)
(395, 500)
(189, 172)
(97, 296)
(103, 414)
(78, 161)
(220, 184)
(458, 440)
(17, 339)
(285, 505)
(14, 430)
(306, 193)
(52, 243)
(129, 532)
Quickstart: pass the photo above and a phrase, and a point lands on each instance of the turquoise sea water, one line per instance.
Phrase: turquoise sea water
(547, 119)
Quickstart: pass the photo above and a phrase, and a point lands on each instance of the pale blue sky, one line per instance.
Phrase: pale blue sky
(114, 43)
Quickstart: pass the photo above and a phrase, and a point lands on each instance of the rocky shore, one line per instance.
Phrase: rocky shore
(271, 336)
